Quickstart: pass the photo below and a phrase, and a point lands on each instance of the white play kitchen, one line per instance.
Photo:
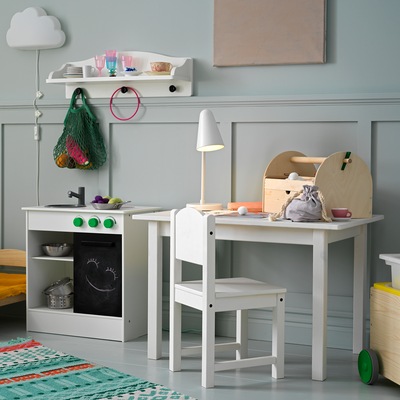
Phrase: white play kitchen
(107, 265)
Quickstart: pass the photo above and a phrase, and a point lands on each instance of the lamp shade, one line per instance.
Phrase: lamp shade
(208, 136)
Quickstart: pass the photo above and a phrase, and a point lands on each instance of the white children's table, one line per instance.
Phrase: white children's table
(316, 234)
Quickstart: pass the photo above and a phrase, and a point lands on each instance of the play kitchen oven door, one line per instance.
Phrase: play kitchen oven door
(98, 274)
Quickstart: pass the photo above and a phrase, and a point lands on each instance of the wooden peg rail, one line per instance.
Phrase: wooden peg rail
(314, 160)
(307, 160)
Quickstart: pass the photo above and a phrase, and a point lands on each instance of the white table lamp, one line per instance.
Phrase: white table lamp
(208, 139)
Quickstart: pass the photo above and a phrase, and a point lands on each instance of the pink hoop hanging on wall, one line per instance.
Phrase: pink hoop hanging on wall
(124, 89)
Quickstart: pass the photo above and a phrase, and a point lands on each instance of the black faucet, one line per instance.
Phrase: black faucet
(80, 195)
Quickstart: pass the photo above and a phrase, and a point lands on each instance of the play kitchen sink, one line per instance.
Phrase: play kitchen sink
(107, 264)
(65, 205)
(80, 196)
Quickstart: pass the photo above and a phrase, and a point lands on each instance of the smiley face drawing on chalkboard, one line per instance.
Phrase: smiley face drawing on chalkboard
(102, 279)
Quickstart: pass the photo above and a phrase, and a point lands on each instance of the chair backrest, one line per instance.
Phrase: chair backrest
(12, 258)
(192, 235)
(193, 240)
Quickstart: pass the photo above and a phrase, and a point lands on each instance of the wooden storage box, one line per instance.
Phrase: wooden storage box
(343, 182)
(385, 328)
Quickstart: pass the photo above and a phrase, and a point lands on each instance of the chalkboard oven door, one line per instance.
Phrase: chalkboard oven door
(98, 274)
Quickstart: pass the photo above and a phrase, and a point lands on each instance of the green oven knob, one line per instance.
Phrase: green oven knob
(78, 222)
(109, 222)
(93, 222)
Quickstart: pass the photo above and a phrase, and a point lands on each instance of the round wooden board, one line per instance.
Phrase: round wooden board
(351, 187)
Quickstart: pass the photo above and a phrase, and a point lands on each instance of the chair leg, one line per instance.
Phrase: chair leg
(278, 337)
(208, 349)
(175, 337)
(242, 334)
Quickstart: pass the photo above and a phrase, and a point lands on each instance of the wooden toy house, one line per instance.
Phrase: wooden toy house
(343, 179)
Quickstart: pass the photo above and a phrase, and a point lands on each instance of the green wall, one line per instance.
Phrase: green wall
(362, 47)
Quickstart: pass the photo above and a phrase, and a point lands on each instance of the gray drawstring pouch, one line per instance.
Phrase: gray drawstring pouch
(307, 207)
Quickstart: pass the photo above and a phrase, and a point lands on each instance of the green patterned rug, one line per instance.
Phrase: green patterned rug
(29, 370)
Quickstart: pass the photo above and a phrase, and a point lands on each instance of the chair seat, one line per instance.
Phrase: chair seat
(231, 287)
(230, 294)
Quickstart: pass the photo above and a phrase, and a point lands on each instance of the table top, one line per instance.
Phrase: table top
(253, 220)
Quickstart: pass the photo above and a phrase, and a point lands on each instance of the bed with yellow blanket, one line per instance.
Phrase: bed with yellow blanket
(12, 285)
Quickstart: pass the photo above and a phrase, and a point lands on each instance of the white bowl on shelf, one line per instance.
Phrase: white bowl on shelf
(57, 249)
(132, 73)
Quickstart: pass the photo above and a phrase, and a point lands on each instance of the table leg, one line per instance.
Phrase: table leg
(320, 304)
(359, 287)
(154, 319)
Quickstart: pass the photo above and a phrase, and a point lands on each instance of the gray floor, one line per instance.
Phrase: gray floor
(246, 384)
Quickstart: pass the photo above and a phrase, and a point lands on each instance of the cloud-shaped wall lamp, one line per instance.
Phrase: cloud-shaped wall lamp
(33, 29)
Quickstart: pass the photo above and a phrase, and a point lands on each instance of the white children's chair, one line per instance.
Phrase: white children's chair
(193, 240)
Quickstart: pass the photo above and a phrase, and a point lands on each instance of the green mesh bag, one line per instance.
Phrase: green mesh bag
(81, 144)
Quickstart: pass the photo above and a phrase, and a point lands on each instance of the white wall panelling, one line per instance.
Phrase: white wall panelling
(153, 161)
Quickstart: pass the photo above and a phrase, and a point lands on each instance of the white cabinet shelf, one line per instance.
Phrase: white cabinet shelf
(46, 225)
(177, 83)
(48, 258)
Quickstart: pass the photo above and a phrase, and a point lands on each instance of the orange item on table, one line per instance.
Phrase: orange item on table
(252, 206)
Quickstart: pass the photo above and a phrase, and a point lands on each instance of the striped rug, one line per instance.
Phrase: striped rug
(29, 370)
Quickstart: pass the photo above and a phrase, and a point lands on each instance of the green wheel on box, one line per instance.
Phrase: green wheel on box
(368, 366)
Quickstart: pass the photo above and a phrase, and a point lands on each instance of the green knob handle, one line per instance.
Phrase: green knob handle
(93, 222)
(78, 221)
(109, 223)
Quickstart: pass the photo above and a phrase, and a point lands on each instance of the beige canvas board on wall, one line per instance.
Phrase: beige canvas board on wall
(269, 32)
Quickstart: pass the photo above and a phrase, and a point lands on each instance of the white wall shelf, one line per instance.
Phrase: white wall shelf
(178, 83)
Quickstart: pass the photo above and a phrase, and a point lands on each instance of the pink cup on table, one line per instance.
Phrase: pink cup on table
(341, 212)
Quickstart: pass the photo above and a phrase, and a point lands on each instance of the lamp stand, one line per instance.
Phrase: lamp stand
(203, 206)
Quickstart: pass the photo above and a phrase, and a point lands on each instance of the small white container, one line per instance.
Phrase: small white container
(394, 261)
